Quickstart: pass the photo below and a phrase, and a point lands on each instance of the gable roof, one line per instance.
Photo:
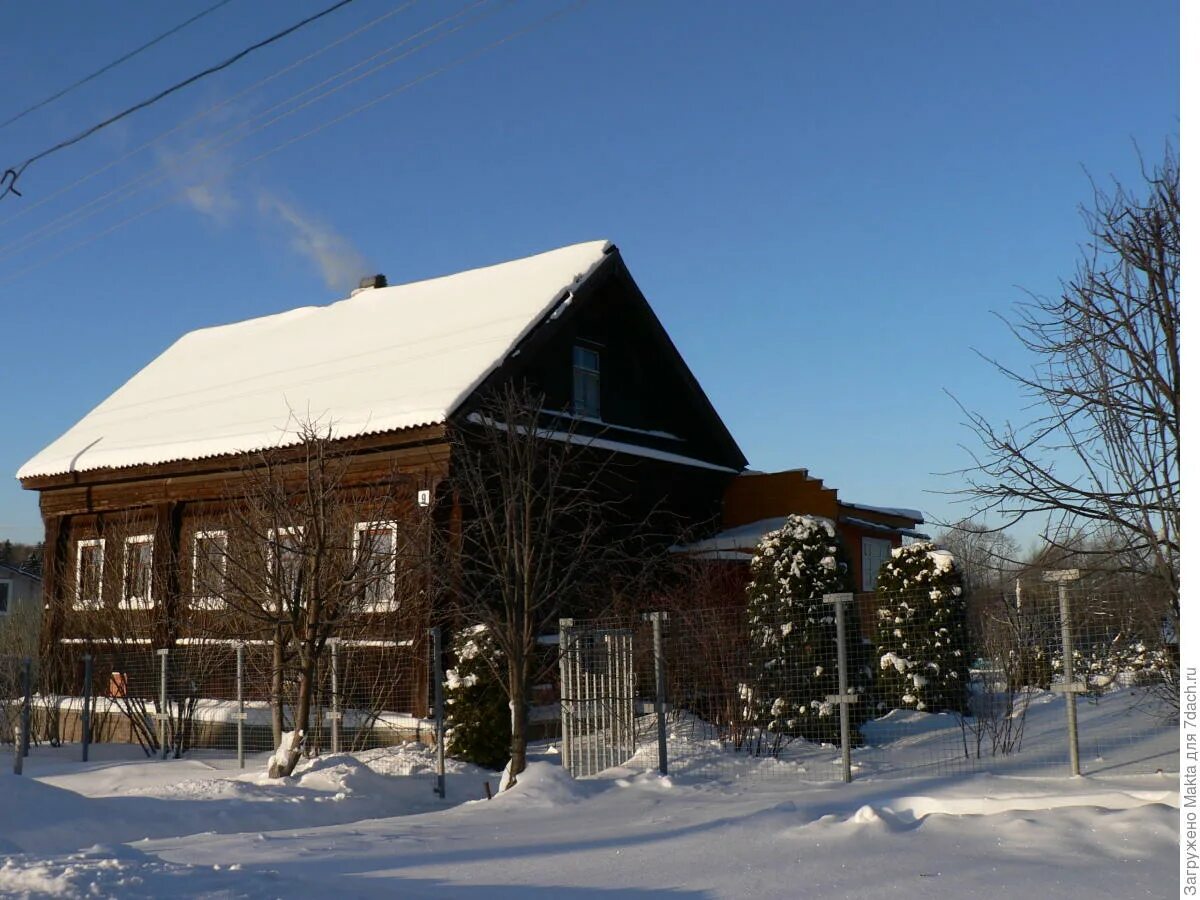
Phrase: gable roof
(381, 360)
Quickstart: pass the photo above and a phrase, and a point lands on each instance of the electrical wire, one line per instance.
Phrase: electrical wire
(211, 146)
(24, 210)
(9, 179)
(459, 61)
(112, 65)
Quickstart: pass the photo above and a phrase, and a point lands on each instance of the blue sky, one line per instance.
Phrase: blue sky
(826, 203)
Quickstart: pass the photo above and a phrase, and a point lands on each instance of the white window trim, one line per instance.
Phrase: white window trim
(208, 602)
(146, 602)
(8, 605)
(393, 527)
(90, 602)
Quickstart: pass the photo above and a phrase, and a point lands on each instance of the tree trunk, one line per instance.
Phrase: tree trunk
(284, 764)
(518, 689)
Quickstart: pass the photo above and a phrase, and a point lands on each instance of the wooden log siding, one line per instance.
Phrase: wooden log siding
(175, 500)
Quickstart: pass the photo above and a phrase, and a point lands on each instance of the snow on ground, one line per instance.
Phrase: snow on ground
(368, 825)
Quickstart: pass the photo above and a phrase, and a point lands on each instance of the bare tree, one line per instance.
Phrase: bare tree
(544, 533)
(309, 552)
(1100, 454)
(989, 558)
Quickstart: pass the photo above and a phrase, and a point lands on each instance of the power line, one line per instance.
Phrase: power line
(24, 210)
(112, 65)
(207, 148)
(9, 179)
(439, 70)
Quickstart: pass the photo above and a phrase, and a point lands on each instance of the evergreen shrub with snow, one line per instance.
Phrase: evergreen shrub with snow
(478, 722)
(793, 634)
(924, 658)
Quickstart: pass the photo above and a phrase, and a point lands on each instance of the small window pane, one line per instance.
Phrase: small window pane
(91, 572)
(208, 574)
(586, 377)
(139, 560)
(377, 563)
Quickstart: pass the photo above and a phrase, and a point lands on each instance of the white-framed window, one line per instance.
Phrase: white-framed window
(209, 565)
(137, 569)
(285, 555)
(375, 555)
(585, 372)
(89, 573)
(875, 552)
(6, 591)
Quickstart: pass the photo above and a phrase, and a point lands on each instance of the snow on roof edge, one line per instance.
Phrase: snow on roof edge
(191, 447)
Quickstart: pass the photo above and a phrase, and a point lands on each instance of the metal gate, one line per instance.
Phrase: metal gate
(597, 688)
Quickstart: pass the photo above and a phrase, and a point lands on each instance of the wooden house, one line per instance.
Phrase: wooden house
(756, 503)
(133, 496)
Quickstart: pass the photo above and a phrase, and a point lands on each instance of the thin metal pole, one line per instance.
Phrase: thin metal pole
(27, 679)
(660, 690)
(241, 706)
(335, 716)
(843, 697)
(162, 701)
(843, 688)
(1068, 642)
(86, 735)
(438, 712)
(565, 695)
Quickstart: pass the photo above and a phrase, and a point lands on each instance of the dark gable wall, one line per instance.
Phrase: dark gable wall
(643, 387)
(641, 384)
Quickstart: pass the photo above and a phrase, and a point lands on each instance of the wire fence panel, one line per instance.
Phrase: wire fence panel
(228, 697)
(934, 684)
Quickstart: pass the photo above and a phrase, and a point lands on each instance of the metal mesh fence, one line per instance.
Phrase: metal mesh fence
(931, 685)
(227, 697)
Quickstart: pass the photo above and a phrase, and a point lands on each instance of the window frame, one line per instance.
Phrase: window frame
(273, 545)
(96, 602)
(127, 602)
(869, 585)
(209, 601)
(392, 526)
(579, 373)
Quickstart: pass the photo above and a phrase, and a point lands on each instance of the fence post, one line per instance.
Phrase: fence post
(566, 694)
(162, 700)
(335, 713)
(660, 689)
(86, 725)
(438, 711)
(241, 705)
(1070, 687)
(843, 698)
(27, 705)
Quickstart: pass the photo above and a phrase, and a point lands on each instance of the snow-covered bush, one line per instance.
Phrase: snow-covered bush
(478, 722)
(922, 635)
(793, 633)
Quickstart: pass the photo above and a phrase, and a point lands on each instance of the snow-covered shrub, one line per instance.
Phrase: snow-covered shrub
(1123, 662)
(478, 722)
(922, 635)
(793, 633)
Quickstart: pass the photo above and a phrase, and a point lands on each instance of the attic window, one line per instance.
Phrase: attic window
(586, 378)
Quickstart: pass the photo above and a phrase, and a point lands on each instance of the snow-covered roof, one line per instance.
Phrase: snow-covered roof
(741, 538)
(879, 526)
(380, 360)
(914, 514)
